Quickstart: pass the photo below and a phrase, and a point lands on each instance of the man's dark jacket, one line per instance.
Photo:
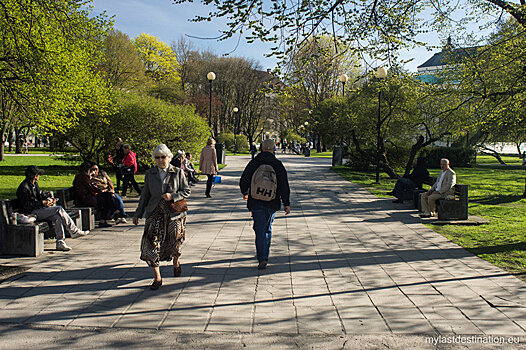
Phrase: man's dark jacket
(283, 190)
(418, 176)
(29, 197)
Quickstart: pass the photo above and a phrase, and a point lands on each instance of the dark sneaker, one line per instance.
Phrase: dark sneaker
(104, 224)
(262, 265)
(156, 284)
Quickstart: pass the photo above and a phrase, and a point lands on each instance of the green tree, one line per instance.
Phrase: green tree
(121, 65)
(378, 27)
(162, 67)
(48, 57)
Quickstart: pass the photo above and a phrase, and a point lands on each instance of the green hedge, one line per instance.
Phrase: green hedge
(227, 139)
(458, 157)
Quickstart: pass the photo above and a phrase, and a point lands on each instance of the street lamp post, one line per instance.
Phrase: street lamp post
(235, 110)
(343, 79)
(381, 73)
(211, 77)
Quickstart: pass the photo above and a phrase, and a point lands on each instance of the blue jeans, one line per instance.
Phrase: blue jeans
(119, 206)
(263, 218)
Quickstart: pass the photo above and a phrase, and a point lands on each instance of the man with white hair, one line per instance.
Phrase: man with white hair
(264, 186)
(443, 187)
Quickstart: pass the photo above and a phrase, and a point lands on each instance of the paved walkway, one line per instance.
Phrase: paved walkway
(344, 264)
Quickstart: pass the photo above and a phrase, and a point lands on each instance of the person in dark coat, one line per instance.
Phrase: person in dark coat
(263, 212)
(32, 200)
(87, 195)
(412, 181)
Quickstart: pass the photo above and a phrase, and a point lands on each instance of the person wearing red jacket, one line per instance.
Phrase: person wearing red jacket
(129, 168)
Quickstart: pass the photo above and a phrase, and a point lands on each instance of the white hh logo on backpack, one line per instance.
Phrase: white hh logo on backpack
(264, 183)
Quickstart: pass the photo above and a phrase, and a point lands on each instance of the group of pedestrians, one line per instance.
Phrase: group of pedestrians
(263, 184)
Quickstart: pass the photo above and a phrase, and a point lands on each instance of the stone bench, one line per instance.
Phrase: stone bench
(455, 208)
(28, 239)
(20, 239)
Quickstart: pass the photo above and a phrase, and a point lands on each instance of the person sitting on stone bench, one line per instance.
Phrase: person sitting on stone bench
(443, 187)
(32, 200)
(411, 181)
(87, 195)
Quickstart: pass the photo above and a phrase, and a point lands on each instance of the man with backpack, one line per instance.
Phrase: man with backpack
(265, 186)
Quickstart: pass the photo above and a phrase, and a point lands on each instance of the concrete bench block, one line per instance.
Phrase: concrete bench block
(24, 239)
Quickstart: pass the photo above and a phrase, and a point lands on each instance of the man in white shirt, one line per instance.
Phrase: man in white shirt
(442, 187)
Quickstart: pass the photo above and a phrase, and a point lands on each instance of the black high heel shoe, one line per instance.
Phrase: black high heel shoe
(156, 284)
(177, 271)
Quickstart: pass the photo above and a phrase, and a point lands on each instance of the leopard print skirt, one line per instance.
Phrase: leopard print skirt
(163, 236)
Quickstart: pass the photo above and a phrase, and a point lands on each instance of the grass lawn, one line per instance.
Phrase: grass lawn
(495, 194)
(228, 153)
(314, 153)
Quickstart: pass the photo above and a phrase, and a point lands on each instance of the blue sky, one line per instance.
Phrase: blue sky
(168, 22)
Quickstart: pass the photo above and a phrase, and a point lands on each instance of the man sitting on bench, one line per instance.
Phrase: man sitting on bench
(34, 201)
(411, 181)
(443, 187)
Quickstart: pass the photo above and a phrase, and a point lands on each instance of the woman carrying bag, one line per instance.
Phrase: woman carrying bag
(165, 189)
(208, 164)
(128, 170)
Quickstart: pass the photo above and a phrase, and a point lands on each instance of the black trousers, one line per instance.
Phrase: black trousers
(130, 178)
(209, 182)
(118, 175)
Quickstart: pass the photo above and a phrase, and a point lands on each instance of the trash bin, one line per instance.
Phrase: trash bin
(220, 151)
(337, 156)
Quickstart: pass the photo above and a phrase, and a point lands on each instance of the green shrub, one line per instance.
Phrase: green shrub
(241, 143)
(458, 157)
(227, 139)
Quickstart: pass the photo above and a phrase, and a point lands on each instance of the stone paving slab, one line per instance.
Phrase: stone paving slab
(343, 263)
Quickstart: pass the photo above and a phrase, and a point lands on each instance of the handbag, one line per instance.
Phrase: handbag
(217, 179)
(179, 206)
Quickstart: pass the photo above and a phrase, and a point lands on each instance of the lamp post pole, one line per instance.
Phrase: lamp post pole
(235, 110)
(381, 73)
(211, 77)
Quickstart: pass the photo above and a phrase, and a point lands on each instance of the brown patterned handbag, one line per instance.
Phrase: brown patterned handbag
(179, 206)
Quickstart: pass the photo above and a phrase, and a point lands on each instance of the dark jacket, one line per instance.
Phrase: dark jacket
(119, 156)
(418, 175)
(283, 190)
(84, 192)
(29, 197)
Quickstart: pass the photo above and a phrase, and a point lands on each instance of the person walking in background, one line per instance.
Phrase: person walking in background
(117, 162)
(253, 149)
(101, 181)
(129, 168)
(164, 231)
(411, 181)
(265, 186)
(442, 188)
(32, 200)
(208, 164)
(87, 195)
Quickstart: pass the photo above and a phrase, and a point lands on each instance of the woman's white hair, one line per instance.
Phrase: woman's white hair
(162, 149)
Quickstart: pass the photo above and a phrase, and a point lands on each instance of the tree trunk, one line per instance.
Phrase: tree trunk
(493, 153)
(18, 142)
(10, 140)
(414, 151)
(318, 144)
(2, 148)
